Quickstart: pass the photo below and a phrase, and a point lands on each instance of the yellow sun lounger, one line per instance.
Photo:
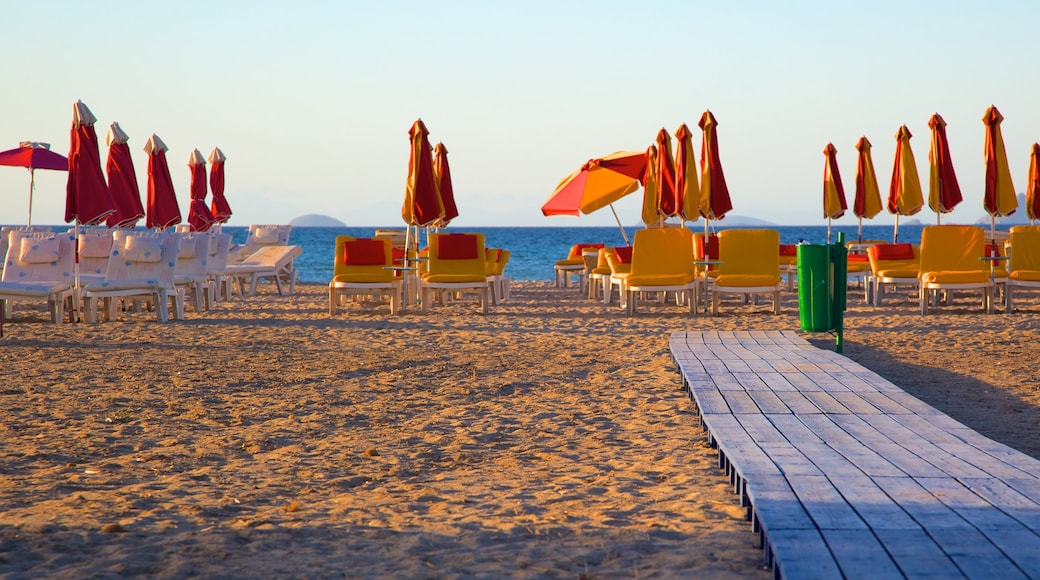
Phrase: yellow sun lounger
(662, 261)
(1024, 261)
(748, 266)
(361, 267)
(952, 259)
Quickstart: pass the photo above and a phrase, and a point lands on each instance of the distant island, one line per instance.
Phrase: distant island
(313, 220)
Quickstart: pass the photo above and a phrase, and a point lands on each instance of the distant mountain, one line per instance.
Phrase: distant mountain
(1018, 218)
(743, 220)
(313, 220)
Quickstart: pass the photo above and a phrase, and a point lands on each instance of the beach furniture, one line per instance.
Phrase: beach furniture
(573, 265)
(495, 260)
(662, 261)
(363, 267)
(1024, 262)
(220, 282)
(952, 258)
(4, 232)
(95, 246)
(892, 265)
(788, 264)
(456, 265)
(620, 263)
(271, 262)
(599, 276)
(748, 266)
(38, 268)
(268, 235)
(140, 267)
(190, 274)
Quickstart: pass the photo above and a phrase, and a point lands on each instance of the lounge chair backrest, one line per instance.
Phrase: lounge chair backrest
(884, 256)
(752, 251)
(95, 246)
(362, 259)
(268, 235)
(1025, 248)
(503, 259)
(219, 246)
(143, 256)
(951, 248)
(39, 256)
(192, 254)
(456, 253)
(663, 251)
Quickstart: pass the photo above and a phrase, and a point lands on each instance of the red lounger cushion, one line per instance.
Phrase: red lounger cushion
(364, 252)
(456, 247)
(788, 249)
(894, 252)
(623, 254)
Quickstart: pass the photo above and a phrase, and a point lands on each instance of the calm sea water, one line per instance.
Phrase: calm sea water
(533, 250)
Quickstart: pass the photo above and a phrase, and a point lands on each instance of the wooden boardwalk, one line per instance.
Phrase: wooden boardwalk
(846, 475)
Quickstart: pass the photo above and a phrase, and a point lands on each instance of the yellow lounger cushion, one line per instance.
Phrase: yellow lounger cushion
(746, 280)
(366, 277)
(453, 278)
(955, 277)
(897, 273)
(568, 262)
(1026, 275)
(659, 279)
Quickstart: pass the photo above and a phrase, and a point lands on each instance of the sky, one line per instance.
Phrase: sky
(311, 102)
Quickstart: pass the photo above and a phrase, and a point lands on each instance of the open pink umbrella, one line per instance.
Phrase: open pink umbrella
(219, 206)
(199, 216)
(715, 200)
(668, 202)
(122, 180)
(87, 200)
(34, 155)
(443, 174)
(944, 193)
(162, 211)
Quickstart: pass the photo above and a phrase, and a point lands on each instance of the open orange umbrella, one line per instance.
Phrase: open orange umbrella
(904, 191)
(686, 183)
(1000, 198)
(944, 193)
(867, 202)
(650, 214)
(714, 202)
(598, 184)
(834, 204)
(668, 202)
(1033, 187)
(442, 172)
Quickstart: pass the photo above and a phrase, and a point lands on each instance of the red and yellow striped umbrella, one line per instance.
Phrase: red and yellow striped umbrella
(904, 191)
(1033, 187)
(834, 204)
(650, 214)
(1000, 198)
(687, 186)
(715, 202)
(867, 201)
(944, 193)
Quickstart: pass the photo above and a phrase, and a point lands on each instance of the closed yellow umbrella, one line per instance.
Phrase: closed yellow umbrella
(867, 202)
(944, 193)
(905, 196)
(650, 215)
(1000, 198)
(686, 182)
(1033, 187)
(834, 204)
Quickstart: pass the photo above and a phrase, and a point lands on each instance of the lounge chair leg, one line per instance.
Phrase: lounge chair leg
(1007, 298)
(776, 302)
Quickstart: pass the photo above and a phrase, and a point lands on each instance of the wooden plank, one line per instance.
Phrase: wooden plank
(710, 401)
(975, 554)
(904, 459)
(921, 505)
(825, 402)
(790, 460)
(740, 402)
(776, 505)
(768, 402)
(1007, 499)
(860, 555)
(872, 504)
(798, 403)
(827, 508)
(746, 456)
(916, 554)
(802, 554)
(855, 403)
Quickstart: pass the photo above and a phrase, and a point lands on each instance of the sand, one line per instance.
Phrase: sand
(547, 439)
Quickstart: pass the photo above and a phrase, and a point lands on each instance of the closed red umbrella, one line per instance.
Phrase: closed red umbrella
(422, 205)
(715, 202)
(161, 207)
(443, 174)
(199, 216)
(219, 206)
(34, 155)
(668, 202)
(87, 200)
(1033, 186)
(122, 181)
(687, 186)
(834, 204)
(944, 193)
(1000, 198)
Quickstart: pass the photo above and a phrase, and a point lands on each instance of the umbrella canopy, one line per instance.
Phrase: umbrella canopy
(442, 173)
(87, 198)
(1000, 198)
(944, 193)
(219, 207)
(199, 216)
(34, 155)
(834, 204)
(422, 204)
(162, 211)
(687, 186)
(599, 183)
(122, 180)
(1033, 187)
(715, 202)
(649, 213)
(668, 202)
(867, 201)
(904, 191)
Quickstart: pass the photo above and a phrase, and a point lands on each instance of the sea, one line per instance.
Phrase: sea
(534, 250)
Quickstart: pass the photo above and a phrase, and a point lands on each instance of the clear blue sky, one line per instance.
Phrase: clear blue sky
(312, 101)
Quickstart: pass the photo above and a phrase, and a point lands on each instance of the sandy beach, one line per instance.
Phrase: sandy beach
(548, 439)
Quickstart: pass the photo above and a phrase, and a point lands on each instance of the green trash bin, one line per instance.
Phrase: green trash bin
(815, 287)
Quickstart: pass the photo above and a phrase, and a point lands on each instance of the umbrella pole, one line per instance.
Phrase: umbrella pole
(859, 234)
(895, 232)
(32, 186)
(618, 220)
(828, 230)
(74, 315)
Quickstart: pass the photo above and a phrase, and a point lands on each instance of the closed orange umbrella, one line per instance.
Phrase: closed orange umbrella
(1033, 187)
(649, 214)
(944, 193)
(668, 202)
(904, 192)
(686, 183)
(422, 205)
(714, 202)
(867, 202)
(834, 204)
(442, 172)
(1000, 198)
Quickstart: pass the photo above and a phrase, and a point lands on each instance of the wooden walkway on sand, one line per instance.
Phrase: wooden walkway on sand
(846, 475)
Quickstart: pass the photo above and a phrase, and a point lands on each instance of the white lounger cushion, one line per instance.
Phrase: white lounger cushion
(39, 251)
